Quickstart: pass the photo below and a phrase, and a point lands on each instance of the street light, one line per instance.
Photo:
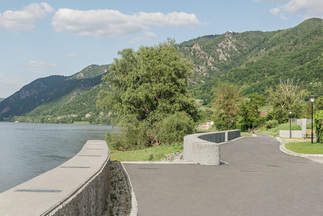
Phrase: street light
(290, 123)
(312, 98)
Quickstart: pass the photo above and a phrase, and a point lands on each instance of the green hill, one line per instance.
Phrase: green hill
(73, 107)
(55, 98)
(253, 60)
(256, 61)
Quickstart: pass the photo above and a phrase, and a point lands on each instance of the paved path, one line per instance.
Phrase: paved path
(258, 180)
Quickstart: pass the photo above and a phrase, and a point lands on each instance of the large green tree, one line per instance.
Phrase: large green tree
(149, 93)
(226, 106)
(250, 110)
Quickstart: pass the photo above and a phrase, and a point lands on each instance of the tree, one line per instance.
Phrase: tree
(250, 110)
(226, 106)
(318, 124)
(319, 103)
(149, 85)
(288, 95)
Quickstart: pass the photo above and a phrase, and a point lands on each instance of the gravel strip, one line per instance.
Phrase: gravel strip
(119, 200)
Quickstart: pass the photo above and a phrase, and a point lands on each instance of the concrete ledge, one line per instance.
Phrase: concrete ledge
(77, 187)
(204, 148)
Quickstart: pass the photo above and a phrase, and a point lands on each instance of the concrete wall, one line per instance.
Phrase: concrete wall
(302, 123)
(204, 148)
(295, 134)
(77, 187)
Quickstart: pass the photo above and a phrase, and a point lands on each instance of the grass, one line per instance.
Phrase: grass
(156, 153)
(275, 131)
(305, 147)
(286, 126)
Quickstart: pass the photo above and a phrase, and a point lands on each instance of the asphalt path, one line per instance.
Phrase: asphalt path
(258, 179)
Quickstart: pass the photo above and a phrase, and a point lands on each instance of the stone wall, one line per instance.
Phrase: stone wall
(88, 200)
(204, 148)
(77, 187)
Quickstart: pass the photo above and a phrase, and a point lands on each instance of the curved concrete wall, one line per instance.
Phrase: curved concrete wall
(77, 187)
(204, 148)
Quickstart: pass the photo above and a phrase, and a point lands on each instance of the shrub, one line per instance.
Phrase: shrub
(130, 136)
(259, 121)
(141, 134)
(271, 124)
(174, 127)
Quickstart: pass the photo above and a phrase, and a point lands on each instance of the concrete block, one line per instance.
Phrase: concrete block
(205, 148)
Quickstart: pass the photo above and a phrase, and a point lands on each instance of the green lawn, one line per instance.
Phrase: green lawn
(156, 153)
(305, 147)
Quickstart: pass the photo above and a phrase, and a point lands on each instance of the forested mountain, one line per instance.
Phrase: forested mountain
(56, 97)
(1, 99)
(256, 61)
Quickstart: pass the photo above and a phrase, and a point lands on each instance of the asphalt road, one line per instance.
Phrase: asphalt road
(258, 180)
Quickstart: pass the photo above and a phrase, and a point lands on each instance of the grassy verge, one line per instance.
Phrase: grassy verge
(305, 147)
(275, 131)
(156, 153)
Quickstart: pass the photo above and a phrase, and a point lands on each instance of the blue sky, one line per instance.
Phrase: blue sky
(61, 37)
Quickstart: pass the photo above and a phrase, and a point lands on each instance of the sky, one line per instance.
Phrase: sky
(61, 37)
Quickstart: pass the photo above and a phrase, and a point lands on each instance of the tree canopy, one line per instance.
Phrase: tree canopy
(149, 85)
(288, 95)
(250, 111)
(226, 106)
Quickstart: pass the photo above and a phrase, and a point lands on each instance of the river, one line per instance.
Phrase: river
(28, 150)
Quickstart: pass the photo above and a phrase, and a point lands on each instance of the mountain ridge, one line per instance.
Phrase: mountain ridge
(253, 60)
(45, 90)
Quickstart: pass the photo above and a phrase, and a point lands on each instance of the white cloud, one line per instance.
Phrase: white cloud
(278, 12)
(305, 8)
(145, 36)
(23, 21)
(71, 55)
(113, 23)
(35, 64)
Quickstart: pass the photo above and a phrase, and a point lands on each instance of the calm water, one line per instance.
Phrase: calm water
(28, 150)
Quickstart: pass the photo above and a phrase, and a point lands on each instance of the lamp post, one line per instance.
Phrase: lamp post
(312, 98)
(290, 123)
